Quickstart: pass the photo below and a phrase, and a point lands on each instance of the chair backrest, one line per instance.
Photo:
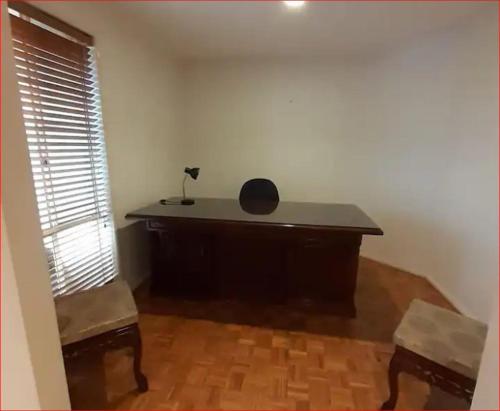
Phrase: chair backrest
(259, 189)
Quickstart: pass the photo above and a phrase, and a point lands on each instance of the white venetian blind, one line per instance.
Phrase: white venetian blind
(62, 116)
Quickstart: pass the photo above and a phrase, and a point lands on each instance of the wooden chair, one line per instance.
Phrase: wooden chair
(438, 346)
(100, 319)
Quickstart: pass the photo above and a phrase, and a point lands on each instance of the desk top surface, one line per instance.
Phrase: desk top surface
(342, 217)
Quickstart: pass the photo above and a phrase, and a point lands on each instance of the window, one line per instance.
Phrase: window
(56, 70)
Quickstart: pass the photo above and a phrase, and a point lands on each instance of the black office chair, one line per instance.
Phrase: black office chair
(259, 189)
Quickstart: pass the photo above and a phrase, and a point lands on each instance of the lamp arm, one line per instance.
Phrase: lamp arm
(184, 187)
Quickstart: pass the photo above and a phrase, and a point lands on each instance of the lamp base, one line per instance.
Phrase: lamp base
(187, 201)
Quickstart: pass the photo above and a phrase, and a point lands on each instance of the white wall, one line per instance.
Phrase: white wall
(486, 396)
(430, 118)
(282, 119)
(19, 385)
(411, 138)
(30, 339)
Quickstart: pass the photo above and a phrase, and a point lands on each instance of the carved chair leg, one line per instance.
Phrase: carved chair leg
(394, 370)
(140, 378)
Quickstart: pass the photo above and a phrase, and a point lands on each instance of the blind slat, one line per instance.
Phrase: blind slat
(84, 277)
(79, 264)
(25, 51)
(42, 137)
(26, 69)
(82, 274)
(40, 83)
(68, 159)
(45, 103)
(28, 64)
(50, 117)
(79, 278)
(48, 124)
(85, 228)
(56, 206)
(46, 191)
(61, 168)
(63, 185)
(75, 252)
(89, 281)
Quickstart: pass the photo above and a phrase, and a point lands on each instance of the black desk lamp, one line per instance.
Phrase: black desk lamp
(193, 173)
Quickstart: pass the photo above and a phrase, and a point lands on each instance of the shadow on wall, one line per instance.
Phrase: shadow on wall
(133, 253)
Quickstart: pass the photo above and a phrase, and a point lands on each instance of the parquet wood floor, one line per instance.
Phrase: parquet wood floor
(231, 356)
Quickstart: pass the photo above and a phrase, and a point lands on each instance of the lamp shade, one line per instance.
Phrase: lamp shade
(192, 172)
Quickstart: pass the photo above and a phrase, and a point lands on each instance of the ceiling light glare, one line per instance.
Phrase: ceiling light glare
(294, 4)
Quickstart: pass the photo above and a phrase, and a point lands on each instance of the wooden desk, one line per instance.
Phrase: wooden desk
(284, 252)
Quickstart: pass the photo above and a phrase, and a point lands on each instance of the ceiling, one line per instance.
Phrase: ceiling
(213, 29)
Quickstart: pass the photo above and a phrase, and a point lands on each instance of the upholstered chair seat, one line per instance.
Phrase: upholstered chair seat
(96, 311)
(447, 338)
